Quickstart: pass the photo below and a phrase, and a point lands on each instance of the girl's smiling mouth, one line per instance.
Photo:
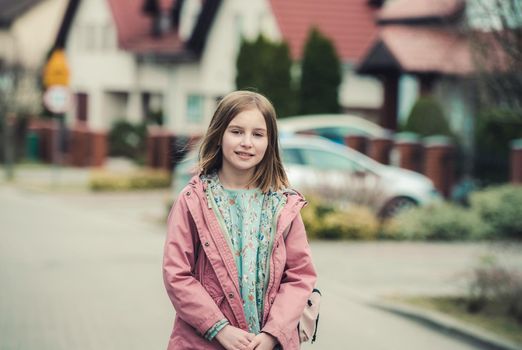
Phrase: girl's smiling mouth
(243, 154)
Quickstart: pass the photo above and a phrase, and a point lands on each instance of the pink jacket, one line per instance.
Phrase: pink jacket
(201, 277)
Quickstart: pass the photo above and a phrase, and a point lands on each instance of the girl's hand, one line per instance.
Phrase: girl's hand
(263, 341)
(233, 338)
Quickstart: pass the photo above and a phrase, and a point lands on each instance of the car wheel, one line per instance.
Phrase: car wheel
(397, 205)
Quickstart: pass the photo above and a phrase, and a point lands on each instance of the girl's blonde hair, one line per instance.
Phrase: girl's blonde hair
(269, 173)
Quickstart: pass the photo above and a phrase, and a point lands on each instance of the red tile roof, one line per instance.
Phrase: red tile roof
(428, 49)
(407, 9)
(349, 23)
(134, 27)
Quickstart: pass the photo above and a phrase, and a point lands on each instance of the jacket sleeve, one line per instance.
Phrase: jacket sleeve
(190, 299)
(297, 283)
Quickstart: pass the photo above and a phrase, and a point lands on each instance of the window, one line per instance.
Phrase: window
(328, 160)
(291, 156)
(82, 100)
(89, 37)
(194, 108)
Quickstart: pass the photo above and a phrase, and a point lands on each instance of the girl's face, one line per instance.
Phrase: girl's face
(244, 142)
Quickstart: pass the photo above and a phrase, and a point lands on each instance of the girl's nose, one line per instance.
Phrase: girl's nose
(246, 141)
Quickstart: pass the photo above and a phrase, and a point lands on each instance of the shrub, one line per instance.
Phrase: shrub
(127, 140)
(494, 285)
(328, 222)
(495, 129)
(441, 222)
(500, 208)
(147, 179)
(427, 118)
(356, 222)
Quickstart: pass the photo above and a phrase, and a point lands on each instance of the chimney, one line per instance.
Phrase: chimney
(152, 9)
(376, 3)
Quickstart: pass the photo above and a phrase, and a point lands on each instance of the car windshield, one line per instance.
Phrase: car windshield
(319, 159)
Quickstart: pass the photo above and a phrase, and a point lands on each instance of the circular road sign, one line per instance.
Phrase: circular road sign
(57, 99)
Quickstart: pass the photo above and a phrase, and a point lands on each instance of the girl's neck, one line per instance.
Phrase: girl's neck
(235, 181)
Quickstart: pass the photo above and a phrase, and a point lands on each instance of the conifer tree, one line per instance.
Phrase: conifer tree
(264, 66)
(320, 76)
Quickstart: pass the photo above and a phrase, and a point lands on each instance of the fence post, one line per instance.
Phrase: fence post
(380, 148)
(357, 142)
(409, 151)
(439, 163)
(516, 161)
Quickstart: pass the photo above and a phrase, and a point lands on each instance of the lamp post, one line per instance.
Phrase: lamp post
(7, 82)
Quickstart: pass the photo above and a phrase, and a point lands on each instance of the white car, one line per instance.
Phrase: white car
(317, 166)
(338, 173)
(334, 127)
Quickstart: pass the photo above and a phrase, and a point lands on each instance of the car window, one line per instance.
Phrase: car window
(325, 160)
(291, 156)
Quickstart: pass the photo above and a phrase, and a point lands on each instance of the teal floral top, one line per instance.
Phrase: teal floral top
(248, 218)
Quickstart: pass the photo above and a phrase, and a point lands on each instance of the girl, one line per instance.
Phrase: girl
(237, 265)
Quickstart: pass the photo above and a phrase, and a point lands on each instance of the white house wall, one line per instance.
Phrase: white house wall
(33, 33)
(357, 91)
(99, 67)
(214, 75)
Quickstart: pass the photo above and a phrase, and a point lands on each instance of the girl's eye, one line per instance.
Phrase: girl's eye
(258, 134)
(235, 131)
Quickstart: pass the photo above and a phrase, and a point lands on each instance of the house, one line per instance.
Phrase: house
(422, 48)
(27, 31)
(133, 59)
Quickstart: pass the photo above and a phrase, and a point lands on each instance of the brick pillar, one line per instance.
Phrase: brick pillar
(98, 148)
(380, 148)
(516, 161)
(49, 138)
(164, 150)
(160, 145)
(409, 150)
(357, 142)
(151, 144)
(79, 150)
(439, 163)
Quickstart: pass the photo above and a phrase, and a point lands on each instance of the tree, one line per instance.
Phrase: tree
(264, 66)
(495, 32)
(320, 76)
(495, 36)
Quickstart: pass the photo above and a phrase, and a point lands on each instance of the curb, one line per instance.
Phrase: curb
(446, 324)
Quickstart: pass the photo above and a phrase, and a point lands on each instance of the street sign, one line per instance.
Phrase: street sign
(57, 99)
(56, 71)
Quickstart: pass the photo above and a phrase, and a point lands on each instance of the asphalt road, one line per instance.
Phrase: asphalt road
(82, 271)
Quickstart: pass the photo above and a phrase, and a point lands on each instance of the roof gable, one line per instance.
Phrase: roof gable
(420, 11)
(134, 32)
(419, 50)
(350, 24)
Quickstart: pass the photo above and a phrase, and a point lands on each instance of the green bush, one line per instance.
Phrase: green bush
(442, 222)
(495, 129)
(327, 222)
(353, 223)
(427, 118)
(127, 140)
(500, 207)
(147, 179)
